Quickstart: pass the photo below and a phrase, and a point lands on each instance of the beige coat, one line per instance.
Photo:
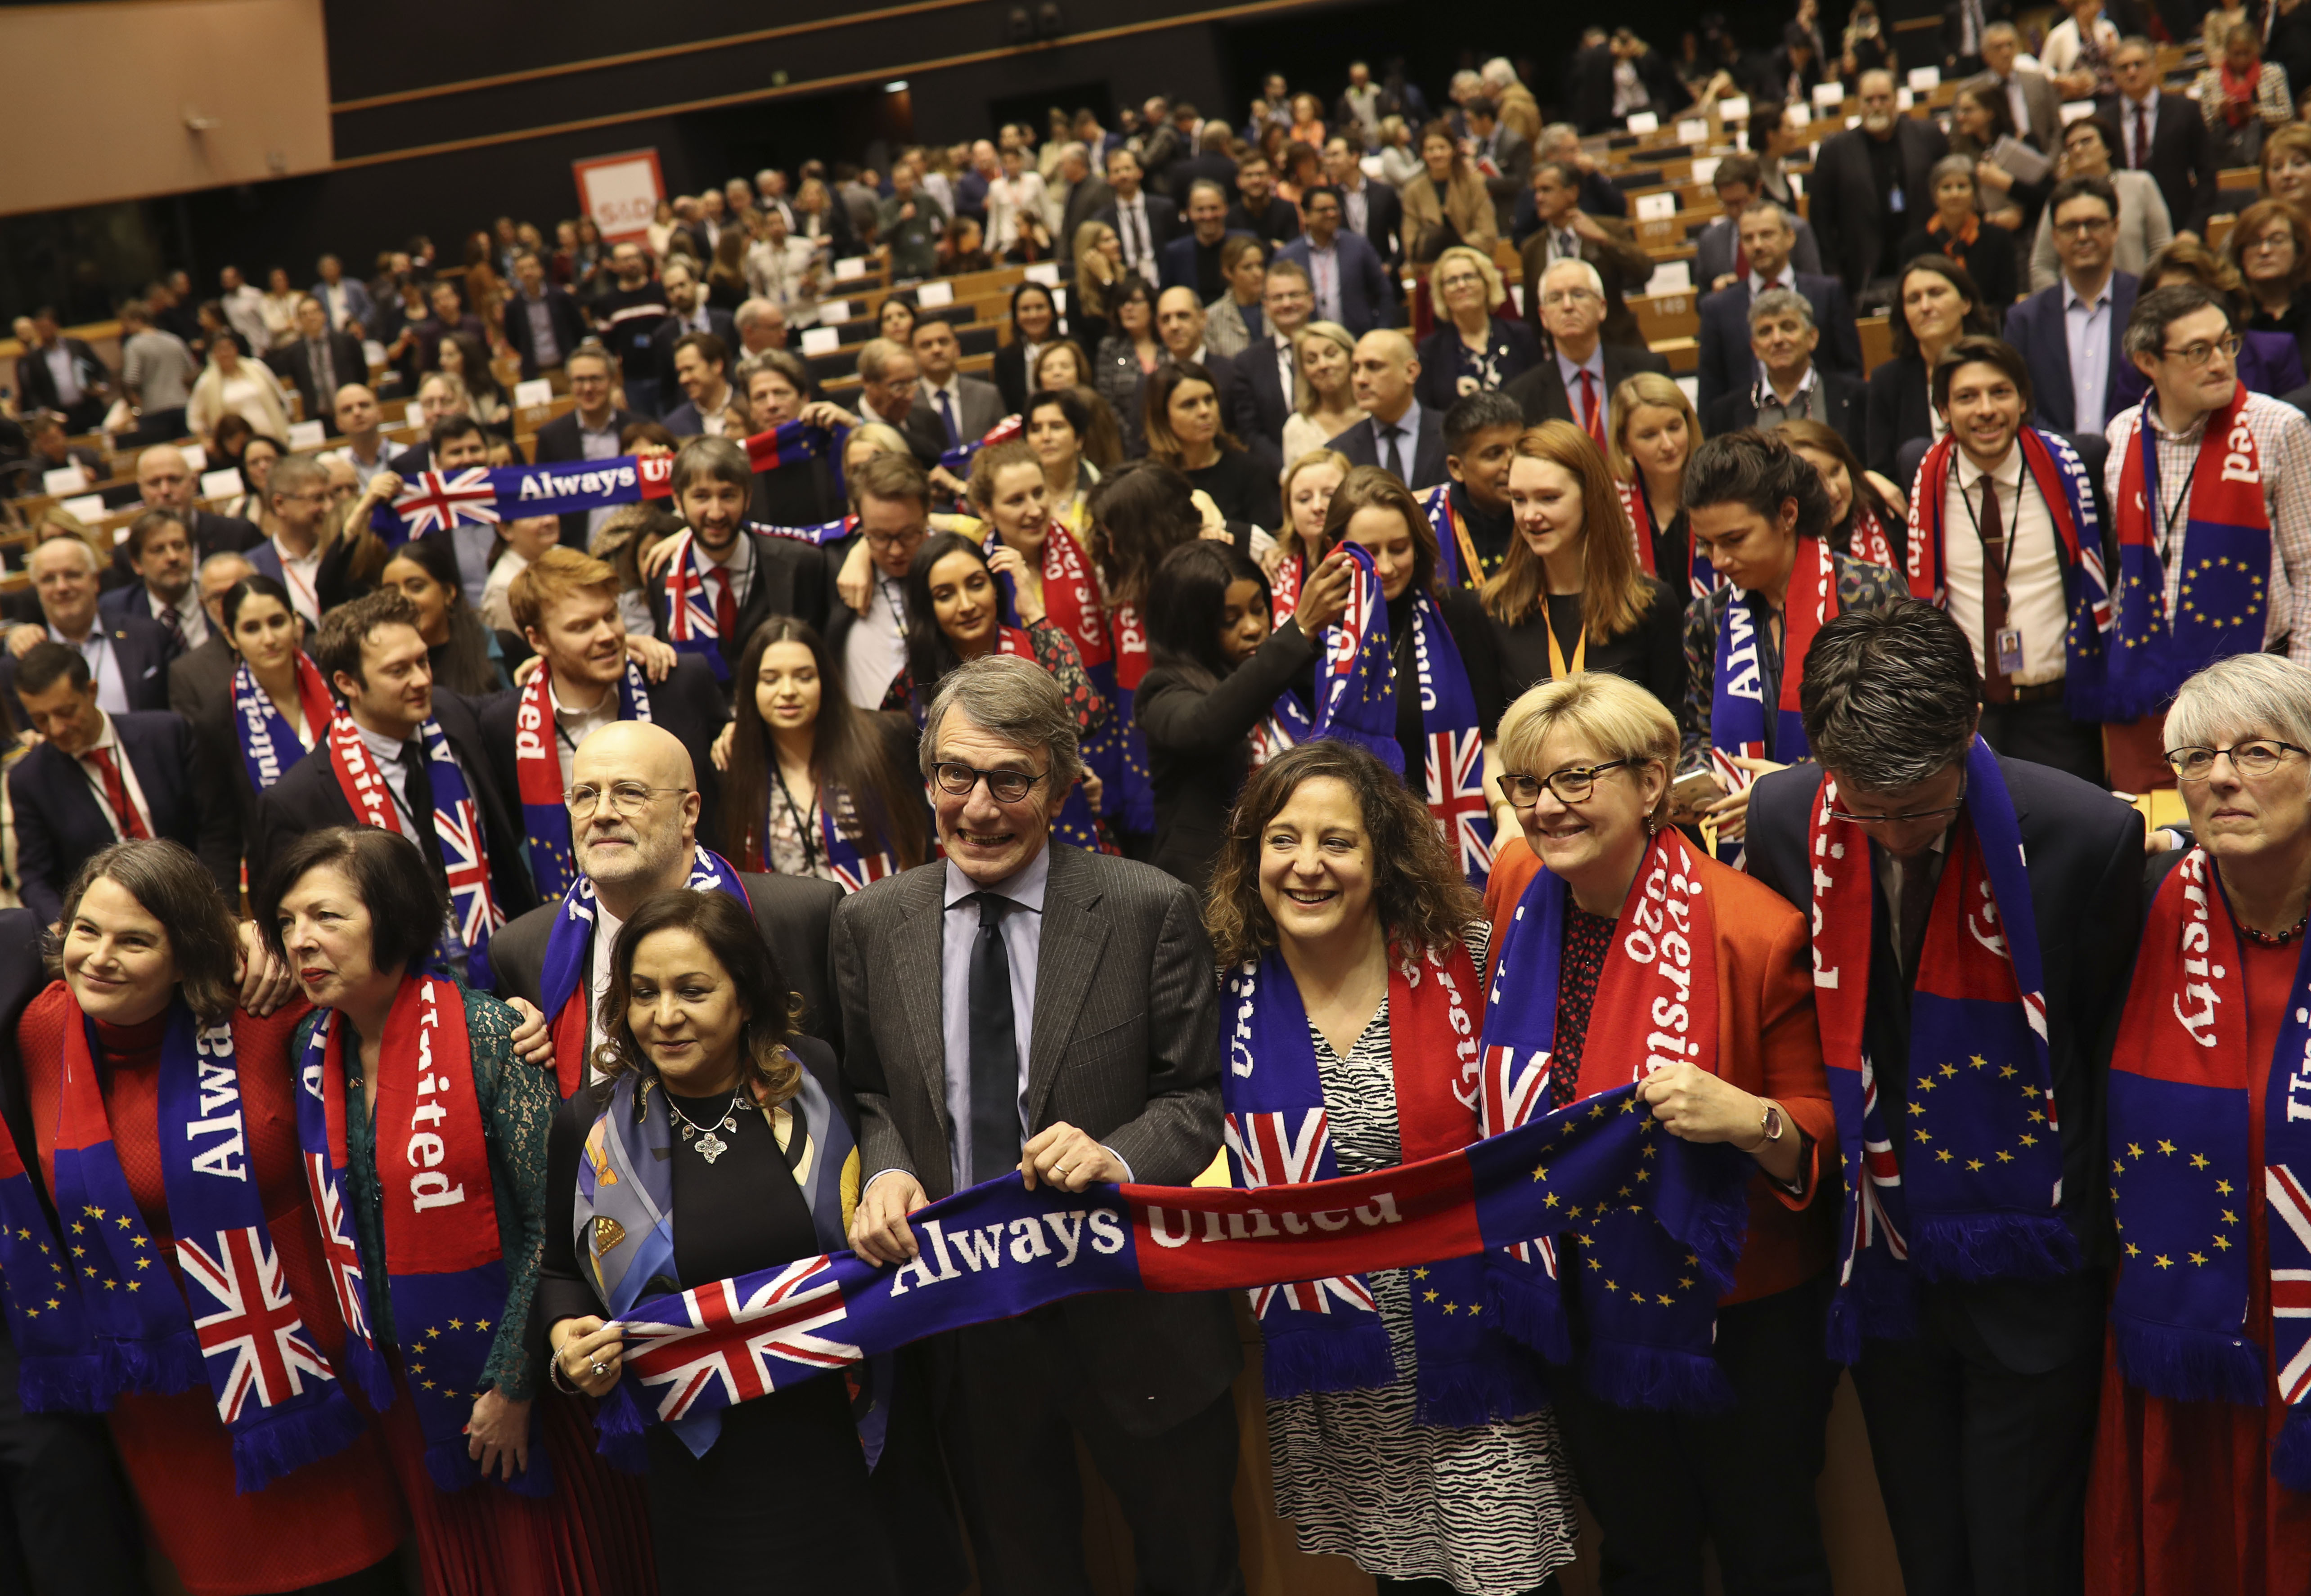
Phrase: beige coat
(1464, 203)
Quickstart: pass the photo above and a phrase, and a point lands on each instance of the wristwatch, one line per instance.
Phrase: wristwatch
(1770, 1123)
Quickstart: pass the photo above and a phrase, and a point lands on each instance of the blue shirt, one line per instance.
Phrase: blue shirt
(1571, 372)
(2087, 328)
(1408, 429)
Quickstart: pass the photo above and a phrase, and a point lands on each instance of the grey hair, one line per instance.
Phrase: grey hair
(1014, 699)
(1555, 131)
(1781, 301)
(1564, 264)
(2005, 31)
(751, 311)
(1952, 166)
(223, 558)
(1891, 696)
(1759, 207)
(2243, 695)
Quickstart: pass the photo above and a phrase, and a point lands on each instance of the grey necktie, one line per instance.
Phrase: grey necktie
(1395, 461)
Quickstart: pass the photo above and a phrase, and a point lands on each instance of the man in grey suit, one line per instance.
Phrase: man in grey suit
(2031, 98)
(1026, 1010)
(966, 407)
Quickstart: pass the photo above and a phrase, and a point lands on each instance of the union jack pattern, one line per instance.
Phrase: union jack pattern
(2290, 1289)
(338, 1244)
(1871, 1219)
(459, 829)
(443, 499)
(1289, 1148)
(1456, 795)
(255, 1323)
(1514, 1091)
(690, 615)
(734, 1343)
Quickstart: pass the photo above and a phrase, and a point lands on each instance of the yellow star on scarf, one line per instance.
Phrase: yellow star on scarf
(2006, 1071)
(1574, 1212)
(2166, 1147)
(1610, 1286)
(27, 1235)
(1921, 1135)
(1949, 1071)
(2004, 1157)
(1665, 1300)
(2223, 1188)
(2163, 1261)
(2132, 1251)
(1925, 1083)
(78, 1227)
(133, 1284)
(483, 1325)
(1451, 1307)
(1428, 1297)
(1979, 1061)
(138, 1240)
(2133, 1151)
(1475, 1308)
(2198, 1160)
(92, 1212)
(456, 1324)
(1648, 1150)
(1420, 1274)
(1973, 1164)
(1637, 1296)
(1551, 1202)
(1592, 1263)
(2229, 1217)
(1684, 1282)
(2198, 1258)
(1944, 1155)
(2224, 1242)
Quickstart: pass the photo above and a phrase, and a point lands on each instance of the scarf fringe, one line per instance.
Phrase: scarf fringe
(1354, 1359)
(618, 1425)
(2290, 1459)
(2191, 1365)
(1465, 1395)
(1531, 1310)
(452, 1469)
(282, 1442)
(1661, 1379)
(165, 1366)
(1989, 1246)
(1881, 1306)
(69, 1384)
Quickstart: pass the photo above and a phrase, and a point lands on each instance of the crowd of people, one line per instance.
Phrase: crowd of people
(1376, 698)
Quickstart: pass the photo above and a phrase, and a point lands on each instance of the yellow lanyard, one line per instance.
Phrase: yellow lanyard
(1558, 669)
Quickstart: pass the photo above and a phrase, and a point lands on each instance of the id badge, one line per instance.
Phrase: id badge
(2010, 650)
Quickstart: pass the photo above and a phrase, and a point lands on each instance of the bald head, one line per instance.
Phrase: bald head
(1180, 321)
(163, 479)
(635, 820)
(1384, 369)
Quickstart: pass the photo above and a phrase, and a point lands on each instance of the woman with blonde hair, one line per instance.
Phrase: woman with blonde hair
(1472, 348)
(1398, 162)
(1446, 205)
(1323, 387)
(2287, 165)
(1654, 434)
(1306, 490)
(1098, 256)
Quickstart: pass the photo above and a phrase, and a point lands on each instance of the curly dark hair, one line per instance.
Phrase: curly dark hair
(1418, 890)
(1761, 472)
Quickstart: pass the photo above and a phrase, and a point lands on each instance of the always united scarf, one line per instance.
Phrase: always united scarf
(565, 980)
(2224, 593)
(624, 1218)
(474, 911)
(1458, 563)
(1701, 576)
(1736, 705)
(690, 626)
(444, 1266)
(268, 748)
(94, 1313)
(1647, 1295)
(488, 496)
(1327, 1334)
(2060, 479)
(1975, 1192)
(537, 772)
(2183, 1176)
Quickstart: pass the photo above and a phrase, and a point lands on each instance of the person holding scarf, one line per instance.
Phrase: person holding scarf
(1761, 516)
(1140, 512)
(1229, 689)
(423, 1139)
(807, 489)
(2210, 485)
(279, 708)
(714, 1140)
(1694, 1410)
(1972, 916)
(2199, 1470)
(1406, 1432)
(1655, 433)
(163, 1141)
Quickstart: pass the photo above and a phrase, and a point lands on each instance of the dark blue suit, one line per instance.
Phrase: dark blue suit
(2036, 327)
(1727, 366)
(60, 824)
(115, 605)
(561, 312)
(1366, 300)
(1175, 263)
(139, 646)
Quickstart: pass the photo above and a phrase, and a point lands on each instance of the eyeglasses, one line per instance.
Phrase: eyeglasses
(2257, 757)
(1567, 296)
(627, 798)
(2086, 228)
(1004, 786)
(2196, 355)
(1572, 784)
(882, 542)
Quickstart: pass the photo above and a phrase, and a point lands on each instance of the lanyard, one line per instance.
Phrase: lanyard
(2181, 499)
(801, 822)
(1558, 669)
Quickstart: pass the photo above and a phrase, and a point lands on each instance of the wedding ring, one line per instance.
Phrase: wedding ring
(1059, 1170)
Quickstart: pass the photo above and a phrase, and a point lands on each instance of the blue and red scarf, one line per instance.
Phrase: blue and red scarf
(2183, 1179)
(537, 772)
(2060, 479)
(2224, 593)
(1976, 1193)
(565, 980)
(444, 1259)
(1075, 823)
(1701, 579)
(958, 459)
(1647, 1296)
(94, 1313)
(691, 625)
(1458, 563)
(268, 748)
(1737, 703)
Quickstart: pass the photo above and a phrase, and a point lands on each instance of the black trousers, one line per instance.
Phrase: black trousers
(68, 1528)
(1012, 1404)
(1983, 1466)
(1663, 1484)
(2043, 733)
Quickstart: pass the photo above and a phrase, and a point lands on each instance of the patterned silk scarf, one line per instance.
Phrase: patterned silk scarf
(537, 772)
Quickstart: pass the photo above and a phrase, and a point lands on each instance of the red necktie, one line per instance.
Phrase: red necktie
(116, 793)
(2141, 136)
(1591, 420)
(725, 607)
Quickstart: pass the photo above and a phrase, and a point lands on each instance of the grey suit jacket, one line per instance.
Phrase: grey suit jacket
(1124, 1046)
(2041, 99)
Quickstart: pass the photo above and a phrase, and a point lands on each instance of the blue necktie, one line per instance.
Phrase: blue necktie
(946, 419)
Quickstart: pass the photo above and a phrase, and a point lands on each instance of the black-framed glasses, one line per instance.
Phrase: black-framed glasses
(1572, 784)
(1004, 786)
(2196, 355)
(2258, 755)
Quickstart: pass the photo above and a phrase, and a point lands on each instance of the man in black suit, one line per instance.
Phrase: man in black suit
(1375, 212)
(96, 777)
(369, 652)
(1868, 183)
(1983, 1422)
(1258, 211)
(161, 552)
(450, 316)
(319, 361)
(1575, 381)
(201, 680)
(588, 431)
(2179, 152)
(1087, 196)
(1192, 259)
(1766, 238)
(1260, 398)
(889, 392)
(62, 374)
(1964, 24)
(750, 575)
(1211, 162)
(542, 321)
(1564, 231)
(687, 311)
(165, 481)
(1397, 431)
(1145, 222)
(1783, 339)
(1180, 323)
(127, 658)
(1108, 1072)
(631, 857)
(1502, 158)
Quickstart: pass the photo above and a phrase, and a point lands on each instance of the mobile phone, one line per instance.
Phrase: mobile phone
(1693, 789)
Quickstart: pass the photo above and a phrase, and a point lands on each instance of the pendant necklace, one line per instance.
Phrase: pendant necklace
(709, 1146)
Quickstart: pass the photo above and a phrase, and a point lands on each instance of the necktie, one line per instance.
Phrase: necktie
(994, 1045)
(325, 371)
(116, 793)
(726, 606)
(946, 419)
(1591, 420)
(1135, 238)
(417, 792)
(1395, 452)
(173, 624)
(1996, 685)
(2141, 136)
(1568, 247)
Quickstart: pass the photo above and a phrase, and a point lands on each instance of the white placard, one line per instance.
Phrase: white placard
(2072, 109)
(1656, 207)
(221, 484)
(63, 479)
(331, 457)
(538, 390)
(1058, 298)
(1829, 96)
(1670, 277)
(834, 313)
(373, 353)
(1902, 100)
(1797, 115)
(851, 268)
(1691, 388)
(1736, 110)
(1517, 296)
(412, 414)
(196, 457)
(1045, 272)
(89, 507)
(307, 435)
(1644, 122)
(931, 296)
(1693, 131)
(820, 341)
(1925, 80)
(1704, 171)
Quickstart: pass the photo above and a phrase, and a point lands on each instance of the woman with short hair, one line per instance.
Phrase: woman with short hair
(1061, 363)
(1447, 204)
(2269, 244)
(1473, 348)
(2287, 165)
(1958, 229)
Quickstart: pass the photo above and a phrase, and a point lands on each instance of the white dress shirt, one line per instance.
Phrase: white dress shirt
(2035, 603)
(876, 644)
(2128, 111)
(1139, 240)
(301, 575)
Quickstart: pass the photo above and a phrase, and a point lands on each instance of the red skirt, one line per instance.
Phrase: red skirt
(589, 1538)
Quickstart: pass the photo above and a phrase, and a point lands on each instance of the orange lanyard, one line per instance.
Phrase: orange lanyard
(1558, 669)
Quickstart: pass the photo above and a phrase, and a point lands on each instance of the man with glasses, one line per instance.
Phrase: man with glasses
(1576, 381)
(1021, 1008)
(1260, 398)
(1345, 273)
(589, 430)
(298, 494)
(2070, 334)
(1981, 1403)
(2233, 485)
(894, 506)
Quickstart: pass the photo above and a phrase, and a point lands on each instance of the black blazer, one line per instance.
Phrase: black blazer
(792, 913)
(1541, 390)
(1900, 413)
(2086, 865)
(560, 310)
(688, 703)
(558, 441)
(2182, 154)
(211, 534)
(1516, 351)
(1163, 219)
(37, 385)
(1846, 399)
(1989, 260)
(1010, 375)
(1383, 227)
(59, 824)
(295, 362)
(1845, 194)
(1652, 654)
(803, 493)
(669, 332)
(202, 678)
(1255, 401)
(141, 649)
(307, 799)
(790, 579)
(1726, 363)
(1427, 462)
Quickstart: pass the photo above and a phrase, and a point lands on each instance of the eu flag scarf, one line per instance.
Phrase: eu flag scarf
(444, 1263)
(1976, 1193)
(1075, 823)
(1737, 705)
(111, 1320)
(537, 772)
(2182, 1174)
(1647, 1298)
(268, 748)
(1120, 755)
